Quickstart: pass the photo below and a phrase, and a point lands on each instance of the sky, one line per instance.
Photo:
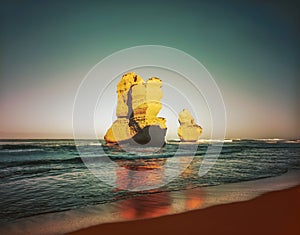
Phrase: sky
(250, 48)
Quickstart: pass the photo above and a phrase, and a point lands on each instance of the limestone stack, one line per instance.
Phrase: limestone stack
(188, 130)
(137, 109)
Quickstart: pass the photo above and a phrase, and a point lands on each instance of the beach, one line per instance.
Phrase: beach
(272, 213)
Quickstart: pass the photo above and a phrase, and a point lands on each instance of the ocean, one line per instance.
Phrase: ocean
(49, 176)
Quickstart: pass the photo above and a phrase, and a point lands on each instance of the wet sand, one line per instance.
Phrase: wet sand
(272, 213)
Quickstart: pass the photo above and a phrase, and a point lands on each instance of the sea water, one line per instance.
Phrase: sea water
(46, 176)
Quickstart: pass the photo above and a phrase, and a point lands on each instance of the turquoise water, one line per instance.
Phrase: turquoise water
(45, 176)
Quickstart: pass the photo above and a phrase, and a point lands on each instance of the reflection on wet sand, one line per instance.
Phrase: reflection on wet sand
(193, 200)
(147, 206)
(153, 204)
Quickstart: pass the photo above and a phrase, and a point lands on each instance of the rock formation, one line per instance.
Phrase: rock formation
(138, 105)
(188, 130)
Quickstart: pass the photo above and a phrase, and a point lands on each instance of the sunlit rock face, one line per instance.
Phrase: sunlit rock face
(137, 109)
(188, 130)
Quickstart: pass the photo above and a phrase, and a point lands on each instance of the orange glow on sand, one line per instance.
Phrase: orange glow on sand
(193, 203)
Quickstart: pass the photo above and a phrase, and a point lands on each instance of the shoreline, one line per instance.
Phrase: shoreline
(271, 213)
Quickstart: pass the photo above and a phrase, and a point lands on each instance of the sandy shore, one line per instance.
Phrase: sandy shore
(272, 213)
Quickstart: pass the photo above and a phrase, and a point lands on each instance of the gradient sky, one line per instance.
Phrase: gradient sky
(250, 48)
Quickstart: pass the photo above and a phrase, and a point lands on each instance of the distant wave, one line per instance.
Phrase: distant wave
(292, 141)
(9, 148)
(74, 160)
(20, 150)
(15, 142)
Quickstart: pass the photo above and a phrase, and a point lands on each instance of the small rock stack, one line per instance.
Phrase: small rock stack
(188, 130)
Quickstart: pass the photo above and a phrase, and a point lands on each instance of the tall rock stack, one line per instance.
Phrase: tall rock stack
(188, 130)
(137, 109)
